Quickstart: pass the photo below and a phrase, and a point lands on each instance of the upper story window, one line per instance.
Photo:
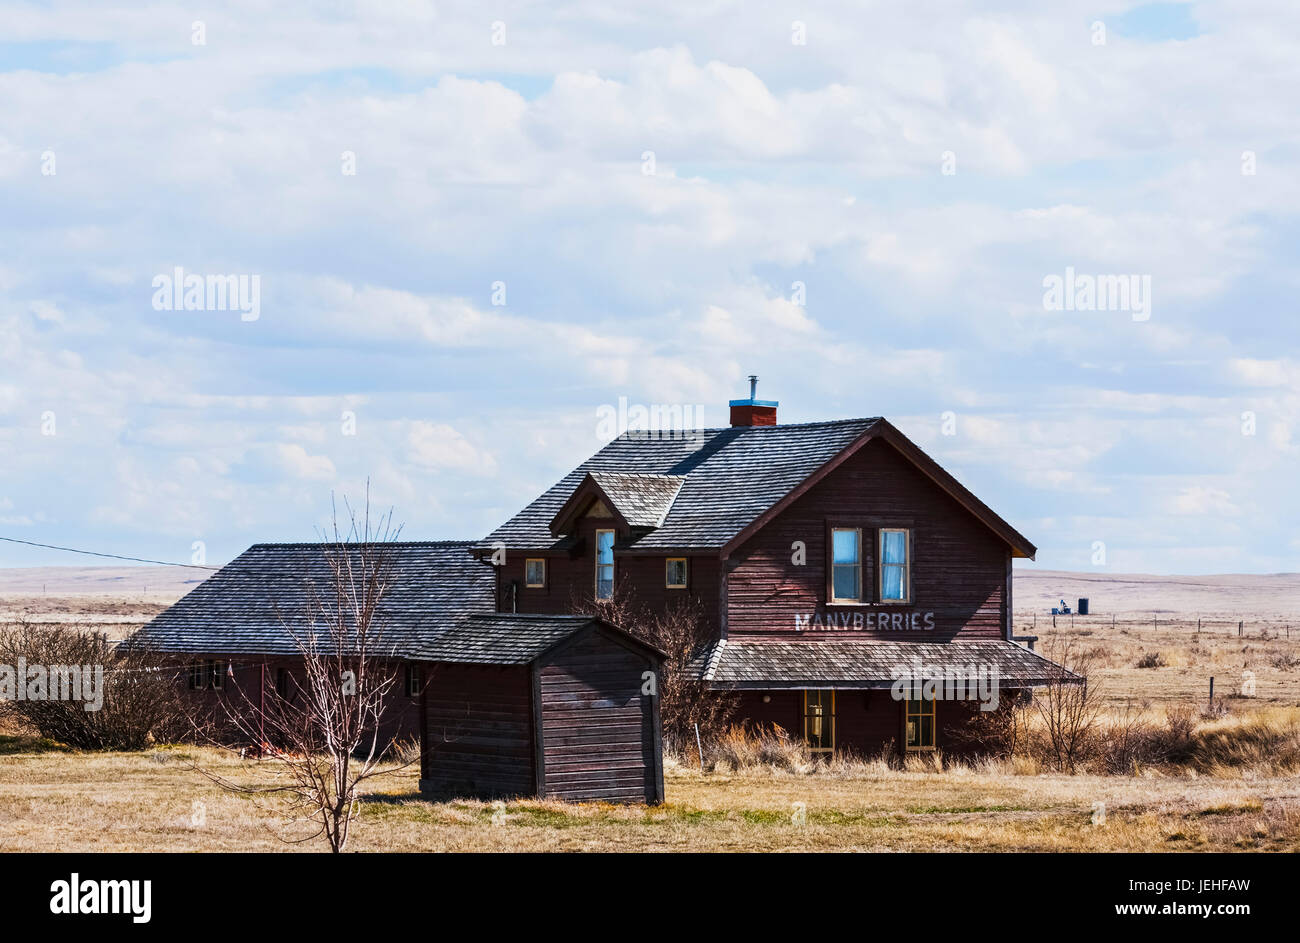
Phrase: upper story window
(217, 674)
(846, 564)
(604, 564)
(535, 573)
(895, 565)
(675, 573)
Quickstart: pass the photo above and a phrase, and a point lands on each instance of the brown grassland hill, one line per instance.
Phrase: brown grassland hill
(1148, 658)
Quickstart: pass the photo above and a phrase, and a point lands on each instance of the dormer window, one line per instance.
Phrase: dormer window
(604, 564)
(846, 564)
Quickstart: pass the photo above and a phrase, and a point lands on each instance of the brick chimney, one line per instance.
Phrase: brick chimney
(753, 411)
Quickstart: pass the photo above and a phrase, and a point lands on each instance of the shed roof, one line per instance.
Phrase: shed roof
(256, 602)
(512, 638)
(866, 663)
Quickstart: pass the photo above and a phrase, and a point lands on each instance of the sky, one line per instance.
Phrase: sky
(474, 230)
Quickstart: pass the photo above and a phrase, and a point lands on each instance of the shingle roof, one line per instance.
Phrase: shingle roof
(865, 663)
(500, 638)
(643, 500)
(731, 477)
(250, 605)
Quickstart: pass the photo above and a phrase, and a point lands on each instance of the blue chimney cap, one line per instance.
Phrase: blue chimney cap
(753, 402)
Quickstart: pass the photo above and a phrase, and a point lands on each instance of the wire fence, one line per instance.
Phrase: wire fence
(1243, 625)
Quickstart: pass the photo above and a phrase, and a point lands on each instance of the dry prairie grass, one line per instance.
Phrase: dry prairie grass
(1242, 795)
(156, 801)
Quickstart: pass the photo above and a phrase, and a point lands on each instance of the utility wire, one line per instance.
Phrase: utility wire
(111, 556)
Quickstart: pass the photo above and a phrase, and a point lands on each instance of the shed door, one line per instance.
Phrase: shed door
(597, 727)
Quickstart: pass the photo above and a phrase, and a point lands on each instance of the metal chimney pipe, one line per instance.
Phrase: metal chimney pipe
(753, 386)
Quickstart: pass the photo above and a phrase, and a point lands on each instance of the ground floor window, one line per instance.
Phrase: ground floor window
(920, 723)
(413, 681)
(819, 720)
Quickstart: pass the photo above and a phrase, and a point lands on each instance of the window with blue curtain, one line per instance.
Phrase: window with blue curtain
(894, 576)
(846, 564)
(604, 564)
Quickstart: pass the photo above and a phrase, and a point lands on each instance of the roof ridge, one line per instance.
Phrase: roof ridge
(677, 435)
(305, 544)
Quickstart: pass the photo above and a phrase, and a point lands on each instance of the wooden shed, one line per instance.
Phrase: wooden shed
(540, 705)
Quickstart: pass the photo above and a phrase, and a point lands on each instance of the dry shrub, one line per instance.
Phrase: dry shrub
(1000, 733)
(1266, 741)
(141, 700)
(682, 633)
(740, 747)
(1151, 660)
(1133, 741)
(1067, 712)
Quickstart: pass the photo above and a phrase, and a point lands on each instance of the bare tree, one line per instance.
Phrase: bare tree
(682, 633)
(1067, 707)
(324, 731)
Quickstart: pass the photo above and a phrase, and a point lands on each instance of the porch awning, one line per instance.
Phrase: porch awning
(763, 665)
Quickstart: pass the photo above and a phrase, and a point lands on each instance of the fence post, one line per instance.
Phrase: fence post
(1211, 692)
(1239, 630)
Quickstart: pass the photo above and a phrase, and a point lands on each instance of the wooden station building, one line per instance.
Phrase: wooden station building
(830, 560)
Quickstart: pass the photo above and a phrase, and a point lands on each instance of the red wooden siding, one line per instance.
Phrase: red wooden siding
(570, 578)
(478, 734)
(866, 721)
(401, 719)
(959, 568)
(598, 732)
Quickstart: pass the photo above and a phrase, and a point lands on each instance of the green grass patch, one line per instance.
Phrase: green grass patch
(12, 744)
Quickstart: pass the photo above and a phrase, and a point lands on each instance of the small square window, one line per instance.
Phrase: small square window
(535, 573)
(675, 573)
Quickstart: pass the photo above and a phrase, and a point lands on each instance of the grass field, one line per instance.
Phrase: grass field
(55, 800)
(158, 801)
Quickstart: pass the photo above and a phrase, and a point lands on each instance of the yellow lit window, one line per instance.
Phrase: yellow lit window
(819, 720)
(920, 724)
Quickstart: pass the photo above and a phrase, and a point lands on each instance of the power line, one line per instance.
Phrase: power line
(111, 556)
